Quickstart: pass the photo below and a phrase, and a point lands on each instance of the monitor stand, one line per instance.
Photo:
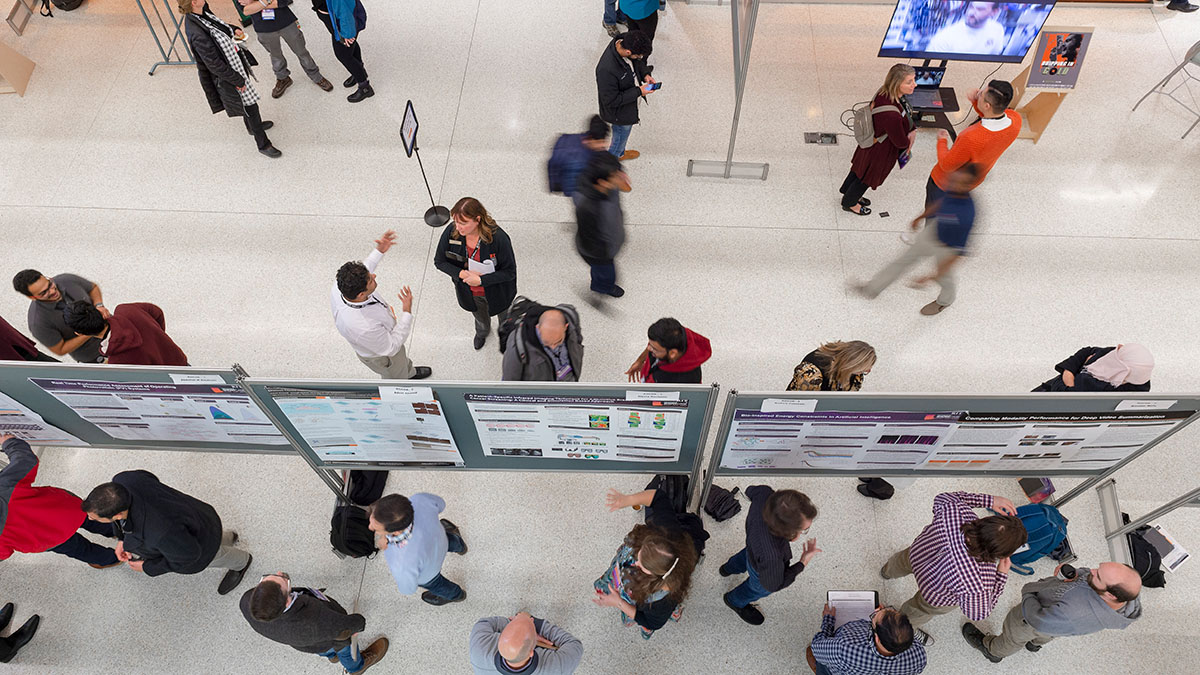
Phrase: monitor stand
(935, 118)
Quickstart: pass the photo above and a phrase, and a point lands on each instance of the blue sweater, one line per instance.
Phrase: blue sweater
(341, 15)
(419, 560)
(638, 9)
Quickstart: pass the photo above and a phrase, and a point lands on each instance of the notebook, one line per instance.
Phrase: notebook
(852, 605)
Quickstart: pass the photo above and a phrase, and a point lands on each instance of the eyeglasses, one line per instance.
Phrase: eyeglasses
(282, 575)
(45, 292)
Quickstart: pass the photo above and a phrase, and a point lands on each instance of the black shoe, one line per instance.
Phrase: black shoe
(974, 637)
(451, 528)
(438, 601)
(616, 291)
(21, 637)
(421, 373)
(480, 340)
(233, 539)
(267, 124)
(361, 93)
(6, 616)
(1182, 6)
(749, 613)
(232, 578)
(272, 152)
(722, 572)
(864, 201)
(349, 82)
(1032, 647)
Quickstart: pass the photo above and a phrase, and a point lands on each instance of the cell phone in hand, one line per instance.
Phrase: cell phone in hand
(656, 86)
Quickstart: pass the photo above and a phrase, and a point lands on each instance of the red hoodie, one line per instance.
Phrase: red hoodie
(137, 336)
(698, 351)
(32, 519)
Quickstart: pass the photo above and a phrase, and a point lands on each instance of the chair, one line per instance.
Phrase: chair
(1193, 57)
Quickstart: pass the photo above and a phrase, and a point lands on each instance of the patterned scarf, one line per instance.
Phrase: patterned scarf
(221, 33)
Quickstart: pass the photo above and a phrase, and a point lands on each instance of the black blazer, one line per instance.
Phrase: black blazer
(171, 531)
(312, 625)
(1083, 380)
(499, 287)
(217, 78)
(618, 87)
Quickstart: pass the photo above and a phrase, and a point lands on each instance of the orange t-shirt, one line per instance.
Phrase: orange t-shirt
(976, 144)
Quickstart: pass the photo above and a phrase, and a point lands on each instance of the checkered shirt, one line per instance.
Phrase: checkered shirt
(851, 651)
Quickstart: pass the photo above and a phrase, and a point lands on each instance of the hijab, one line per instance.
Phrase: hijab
(1129, 363)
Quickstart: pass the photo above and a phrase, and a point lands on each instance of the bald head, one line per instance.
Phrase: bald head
(1121, 582)
(517, 640)
(552, 327)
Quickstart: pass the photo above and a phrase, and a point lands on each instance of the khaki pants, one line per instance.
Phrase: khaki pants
(229, 557)
(926, 245)
(395, 367)
(1014, 635)
(916, 608)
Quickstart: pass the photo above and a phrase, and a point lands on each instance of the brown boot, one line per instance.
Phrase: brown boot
(373, 654)
(281, 86)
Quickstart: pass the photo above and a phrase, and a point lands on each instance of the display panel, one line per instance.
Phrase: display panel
(964, 31)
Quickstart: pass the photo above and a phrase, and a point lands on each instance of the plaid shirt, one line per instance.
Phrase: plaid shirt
(851, 650)
(946, 574)
(216, 27)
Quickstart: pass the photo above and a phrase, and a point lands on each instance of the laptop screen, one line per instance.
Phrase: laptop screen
(930, 77)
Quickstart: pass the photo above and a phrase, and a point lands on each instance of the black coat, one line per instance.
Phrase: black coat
(1084, 380)
(618, 87)
(499, 287)
(171, 531)
(218, 79)
(311, 625)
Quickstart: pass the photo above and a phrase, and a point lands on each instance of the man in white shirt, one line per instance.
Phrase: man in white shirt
(977, 32)
(368, 323)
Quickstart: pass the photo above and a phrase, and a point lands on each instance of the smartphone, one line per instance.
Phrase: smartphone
(656, 86)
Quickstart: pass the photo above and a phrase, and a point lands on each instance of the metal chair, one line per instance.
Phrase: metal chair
(1193, 57)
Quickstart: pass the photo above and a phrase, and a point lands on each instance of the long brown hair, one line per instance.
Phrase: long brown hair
(895, 77)
(470, 208)
(847, 359)
(670, 559)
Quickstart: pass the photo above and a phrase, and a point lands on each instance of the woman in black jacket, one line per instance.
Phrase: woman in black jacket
(478, 256)
(1120, 368)
(224, 68)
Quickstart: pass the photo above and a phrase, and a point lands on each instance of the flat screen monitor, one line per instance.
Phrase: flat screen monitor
(1000, 32)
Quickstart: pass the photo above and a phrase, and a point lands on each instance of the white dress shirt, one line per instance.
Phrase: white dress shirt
(370, 327)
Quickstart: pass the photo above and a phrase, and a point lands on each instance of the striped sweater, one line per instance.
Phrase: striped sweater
(946, 574)
(981, 143)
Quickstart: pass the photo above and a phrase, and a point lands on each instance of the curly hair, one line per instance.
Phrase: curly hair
(670, 559)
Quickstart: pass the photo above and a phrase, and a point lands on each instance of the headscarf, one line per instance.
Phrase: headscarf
(1129, 363)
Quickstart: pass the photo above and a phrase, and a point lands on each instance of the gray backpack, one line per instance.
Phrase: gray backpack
(864, 123)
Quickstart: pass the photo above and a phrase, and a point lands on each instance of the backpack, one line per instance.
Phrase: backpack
(562, 168)
(1046, 529)
(366, 487)
(572, 321)
(863, 124)
(674, 488)
(1146, 559)
(510, 319)
(721, 503)
(64, 5)
(350, 533)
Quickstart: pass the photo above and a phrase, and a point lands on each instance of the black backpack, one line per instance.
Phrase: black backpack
(350, 533)
(1146, 559)
(366, 487)
(64, 5)
(510, 319)
(721, 503)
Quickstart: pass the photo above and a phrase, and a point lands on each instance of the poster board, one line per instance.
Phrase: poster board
(1058, 56)
(408, 129)
(553, 426)
(130, 407)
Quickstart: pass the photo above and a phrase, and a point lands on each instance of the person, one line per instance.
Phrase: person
(14, 346)
(368, 323)
(673, 354)
(773, 521)
(10, 645)
(415, 542)
(523, 644)
(834, 366)
(547, 346)
(651, 574)
(601, 223)
(273, 21)
(162, 530)
(50, 296)
(1094, 600)
(225, 70)
(345, 19)
(572, 153)
(946, 243)
(977, 32)
(981, 143)
(622, 77)
(36, 519)
(641, 15)
(134, 333)
(1126, 367)
(960, 560)
(612, 17)
(882, 644)
(478, 257)
(309, 621)
(895, 133)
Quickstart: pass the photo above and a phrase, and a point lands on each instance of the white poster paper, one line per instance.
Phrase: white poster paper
(18, 420)
(1145, 404)
(789, 405)
(196, 378)
(651, 396)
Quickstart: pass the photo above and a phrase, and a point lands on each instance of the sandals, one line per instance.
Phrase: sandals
(862, 210)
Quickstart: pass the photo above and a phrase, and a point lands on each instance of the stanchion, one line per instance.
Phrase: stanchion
(435, 215)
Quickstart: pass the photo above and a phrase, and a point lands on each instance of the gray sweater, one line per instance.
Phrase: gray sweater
(1063, 608)
(562, 661)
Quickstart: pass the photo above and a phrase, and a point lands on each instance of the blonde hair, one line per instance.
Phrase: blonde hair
(846, 359)
(896, 76)
(185, 7)
(470, 208)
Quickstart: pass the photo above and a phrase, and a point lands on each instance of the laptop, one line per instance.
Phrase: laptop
(926, 94)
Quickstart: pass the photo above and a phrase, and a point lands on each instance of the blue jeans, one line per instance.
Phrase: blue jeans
(345, 656)
(620, 136)
(612, 14)
(749, 590)
(604, 278)
(822, 669)
(440, 585)
(80, 547)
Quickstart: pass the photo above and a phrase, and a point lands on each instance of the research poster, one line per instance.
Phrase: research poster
(17, 420)
(389, 426)
(941, 440)
(168, 412)
(579, 427)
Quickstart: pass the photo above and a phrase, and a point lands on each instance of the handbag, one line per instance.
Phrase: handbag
(722, 504)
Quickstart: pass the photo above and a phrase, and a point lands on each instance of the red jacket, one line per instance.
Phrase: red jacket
(13, 345)
(872, 165)
(32, 519)
(698, 351)
(138, 337)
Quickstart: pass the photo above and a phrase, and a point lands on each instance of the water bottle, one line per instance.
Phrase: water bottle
(1066, 572)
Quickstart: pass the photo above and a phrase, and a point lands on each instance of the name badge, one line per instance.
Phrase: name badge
(268, 15)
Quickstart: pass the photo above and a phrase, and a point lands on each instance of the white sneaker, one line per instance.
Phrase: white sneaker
(908, 237)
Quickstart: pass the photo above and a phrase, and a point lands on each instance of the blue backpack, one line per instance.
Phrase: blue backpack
(567, 161)
(1046, 529)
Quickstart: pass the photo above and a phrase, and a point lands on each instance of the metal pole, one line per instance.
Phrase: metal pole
(718, 449)
(703, 440)
(1161, 511)
(742, 69)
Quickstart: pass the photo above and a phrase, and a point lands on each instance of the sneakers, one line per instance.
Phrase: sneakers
(373, 654)
(233, 577)
(933, 308)
(451, 528)
(612, 29)
(438, 601)
(974, 638)
(281, 86)
(630, 154)
(749, 613)
(325, 84)
(363, 92)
